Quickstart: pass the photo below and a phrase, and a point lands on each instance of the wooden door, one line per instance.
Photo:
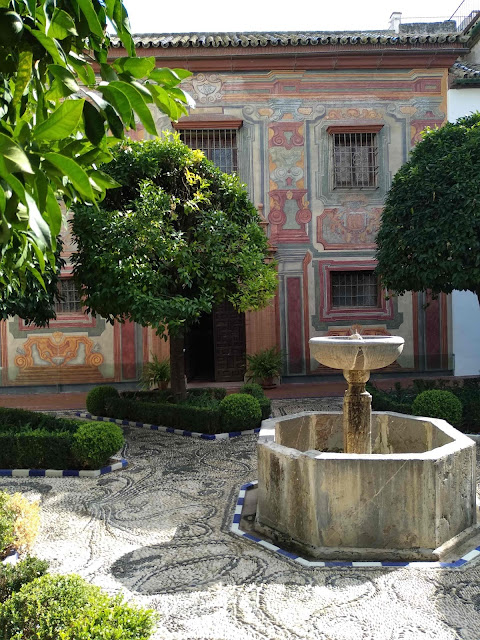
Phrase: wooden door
(229, 343)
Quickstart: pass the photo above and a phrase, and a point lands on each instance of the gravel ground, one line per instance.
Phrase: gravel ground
(159, 533)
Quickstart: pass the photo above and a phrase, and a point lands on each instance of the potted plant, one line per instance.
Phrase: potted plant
(264, 366)
(156, 373)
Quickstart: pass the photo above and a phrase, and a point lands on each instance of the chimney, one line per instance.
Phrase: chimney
(395, 20)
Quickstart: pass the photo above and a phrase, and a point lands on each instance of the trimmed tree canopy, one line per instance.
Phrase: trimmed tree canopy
(55, 116)
(177, 238)
(429, 236)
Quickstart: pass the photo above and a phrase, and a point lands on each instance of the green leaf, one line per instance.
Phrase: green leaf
(103, 180)
(114, 122)
(91, 16)
(14, 156)
(61, 25)
(65, 76)
(120, 101)
(107, 73)
(54, 213)
(94, 123)
(169, 77)
(137, 67)
(61, 123)
(49, 44)
(39, 227)
(138, 104)
(74, 172)
(84, 70)
(24, 74)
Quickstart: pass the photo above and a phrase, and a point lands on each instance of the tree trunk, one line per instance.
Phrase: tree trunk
(177, 365)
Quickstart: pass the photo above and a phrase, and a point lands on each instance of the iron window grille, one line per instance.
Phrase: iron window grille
(218, 145)
(355, 160)
(70, 299)
(354, 289)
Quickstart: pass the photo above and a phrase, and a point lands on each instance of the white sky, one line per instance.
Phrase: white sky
(157, 16)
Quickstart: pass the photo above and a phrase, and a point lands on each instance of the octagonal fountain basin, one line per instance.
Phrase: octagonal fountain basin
(355, 352)
(412, 498)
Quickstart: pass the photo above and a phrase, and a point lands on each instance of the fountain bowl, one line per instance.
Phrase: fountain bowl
(355, 352)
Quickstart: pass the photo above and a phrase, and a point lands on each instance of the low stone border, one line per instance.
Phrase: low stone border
(62, 473)
(178, 432)
(235, 528)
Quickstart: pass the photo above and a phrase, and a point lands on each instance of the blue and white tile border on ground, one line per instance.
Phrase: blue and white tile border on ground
(63, 473)
(178, 432)
(235, 528)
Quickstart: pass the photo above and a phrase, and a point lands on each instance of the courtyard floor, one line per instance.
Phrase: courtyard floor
(158, 532)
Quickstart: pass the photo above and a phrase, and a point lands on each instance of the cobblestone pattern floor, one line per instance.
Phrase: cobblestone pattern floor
(159, 532)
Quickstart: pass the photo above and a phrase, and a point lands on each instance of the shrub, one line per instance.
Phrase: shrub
(96, 399)
(218, 393)
(435, 403)
(387, 401)
(13, 577)
(177, 416)
(265, 407)
(94, 443)
(253, 389)
(155, 373)
(69, 608)
(264, 364)
(240, 411)
(19, 522)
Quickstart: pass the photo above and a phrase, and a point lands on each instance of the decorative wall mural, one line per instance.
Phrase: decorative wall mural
(345, 227)
(57, 357)
(205, 88)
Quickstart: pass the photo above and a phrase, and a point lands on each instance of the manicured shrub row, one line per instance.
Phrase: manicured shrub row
(401, 400)
(38, 441)
(438, 404)
(97, 397)
(177, 416)
(12, 577)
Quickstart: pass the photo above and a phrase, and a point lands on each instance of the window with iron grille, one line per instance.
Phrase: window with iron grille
(218, 145)
(355, 160)
(354, 289)
(70, 300)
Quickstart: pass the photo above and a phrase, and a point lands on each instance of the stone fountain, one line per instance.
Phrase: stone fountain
(363, 485)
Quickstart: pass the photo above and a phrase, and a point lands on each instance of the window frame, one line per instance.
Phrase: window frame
(337, 272)
(211, 126)
(353, 130)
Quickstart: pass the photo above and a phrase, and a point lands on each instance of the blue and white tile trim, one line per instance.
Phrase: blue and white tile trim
(235, 528)
(62, 473)
(178, 432)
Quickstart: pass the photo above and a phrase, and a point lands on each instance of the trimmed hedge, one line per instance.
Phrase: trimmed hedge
(67, 607)
(97, 397)
(13, 577)
(240, 411)
(177, 416)
(435, 403)
(30, 440)
(255, 390)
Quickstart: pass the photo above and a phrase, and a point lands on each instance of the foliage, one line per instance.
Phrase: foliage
(55, 116)
(68, 608)
(19, 522)
(31, 440)
(388, 400)
(240, 411)
(253, 389)
(95, 442)
(429, 238)
(438, 404)
(176, 416)
(96, 398)
(257, 392)
(12, 577)
(155, 372)
(264, 364)
(178, 237)
(218, 393)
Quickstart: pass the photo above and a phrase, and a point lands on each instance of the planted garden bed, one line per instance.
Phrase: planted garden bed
(30, 440)
(206, 411)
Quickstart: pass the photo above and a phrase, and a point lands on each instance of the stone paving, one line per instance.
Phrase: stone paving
(159, 533)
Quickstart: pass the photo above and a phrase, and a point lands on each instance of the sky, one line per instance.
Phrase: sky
(184, 16)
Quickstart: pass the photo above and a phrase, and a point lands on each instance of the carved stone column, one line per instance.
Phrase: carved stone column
(357, 418)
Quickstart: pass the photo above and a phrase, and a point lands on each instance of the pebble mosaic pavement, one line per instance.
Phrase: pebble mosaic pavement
(158, 532)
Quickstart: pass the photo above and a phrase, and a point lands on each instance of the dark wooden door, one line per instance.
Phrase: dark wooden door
(229, 343)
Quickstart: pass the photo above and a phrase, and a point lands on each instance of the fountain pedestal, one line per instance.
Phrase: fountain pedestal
(357, 414)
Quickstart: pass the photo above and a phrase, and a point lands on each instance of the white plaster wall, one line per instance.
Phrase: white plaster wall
(465, 307)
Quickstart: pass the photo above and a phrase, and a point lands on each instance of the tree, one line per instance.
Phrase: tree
(429, 237)
(178, 237)
(55, 115)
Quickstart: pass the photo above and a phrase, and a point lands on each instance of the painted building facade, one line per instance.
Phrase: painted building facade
(317, 124)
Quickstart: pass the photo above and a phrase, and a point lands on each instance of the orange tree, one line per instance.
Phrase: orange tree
(429, 237)
(176, 238)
